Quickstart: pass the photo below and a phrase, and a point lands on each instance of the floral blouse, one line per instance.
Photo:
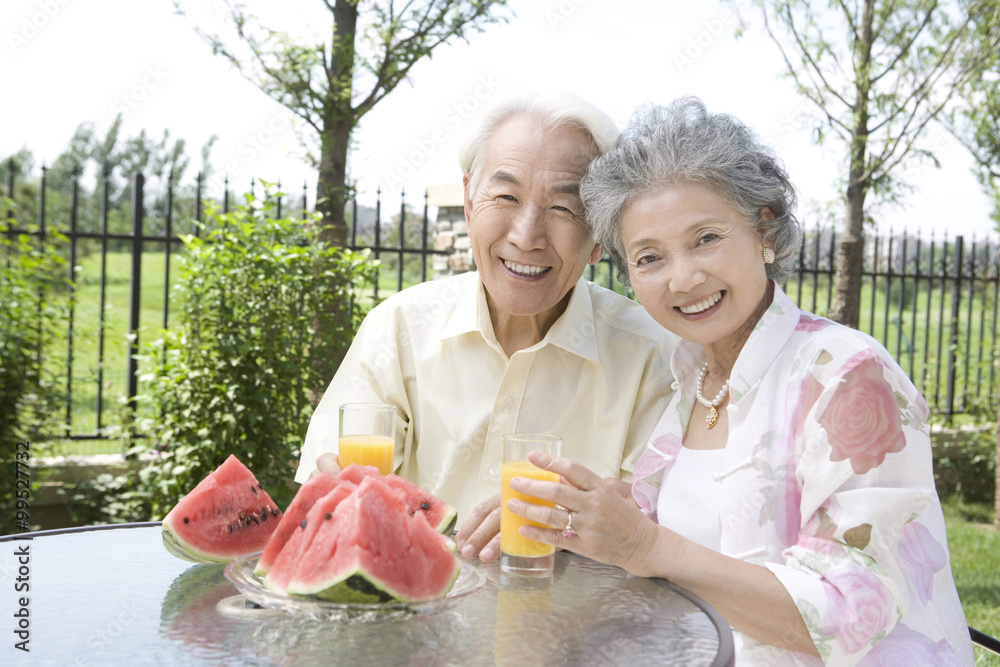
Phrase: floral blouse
(827, 481)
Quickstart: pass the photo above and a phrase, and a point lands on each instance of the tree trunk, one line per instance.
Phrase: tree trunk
(331, 184)
(846, 305)
(331, 188)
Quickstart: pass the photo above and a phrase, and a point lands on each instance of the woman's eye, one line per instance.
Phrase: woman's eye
(707, 238)
(644, 259)
(510, 198)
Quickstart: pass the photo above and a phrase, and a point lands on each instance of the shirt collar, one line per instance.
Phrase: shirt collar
(470, 313)
(574, 331)
(764, 344)
(766, 341)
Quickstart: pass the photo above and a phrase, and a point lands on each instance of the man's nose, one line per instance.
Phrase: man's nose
(527, 228)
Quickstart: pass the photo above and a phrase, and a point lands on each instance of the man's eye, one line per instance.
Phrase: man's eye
(510, 198)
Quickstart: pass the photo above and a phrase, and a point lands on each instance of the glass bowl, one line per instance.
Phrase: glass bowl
(240, 573)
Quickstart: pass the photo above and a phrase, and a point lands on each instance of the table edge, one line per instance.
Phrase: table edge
(77, 529)
(726, 655)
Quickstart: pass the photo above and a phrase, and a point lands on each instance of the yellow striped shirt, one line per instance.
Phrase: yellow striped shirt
(600, 379)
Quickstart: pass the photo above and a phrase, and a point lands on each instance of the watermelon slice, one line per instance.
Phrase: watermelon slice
(440, 515)
(305, 534)
(304, 499)
(371, 549)
(226, 516)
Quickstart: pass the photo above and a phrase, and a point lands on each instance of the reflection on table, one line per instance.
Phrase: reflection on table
(106, 596)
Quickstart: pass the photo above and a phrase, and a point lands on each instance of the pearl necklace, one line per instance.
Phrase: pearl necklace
(713, 413)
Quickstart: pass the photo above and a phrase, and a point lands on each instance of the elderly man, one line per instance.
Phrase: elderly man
(523, 345)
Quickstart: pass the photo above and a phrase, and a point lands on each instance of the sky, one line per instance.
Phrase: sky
(68, 61)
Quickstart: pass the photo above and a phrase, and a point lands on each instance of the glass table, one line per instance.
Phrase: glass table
(108, 595)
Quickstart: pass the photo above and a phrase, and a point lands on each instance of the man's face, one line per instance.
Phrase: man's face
(526, 220)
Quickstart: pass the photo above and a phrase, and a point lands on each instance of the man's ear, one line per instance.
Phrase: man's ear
(467, 203)
(596, 253)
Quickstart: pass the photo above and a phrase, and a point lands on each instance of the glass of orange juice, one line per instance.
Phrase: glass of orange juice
(518, 554)
(367, 435)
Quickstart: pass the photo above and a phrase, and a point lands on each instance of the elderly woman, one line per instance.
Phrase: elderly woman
(789, 481)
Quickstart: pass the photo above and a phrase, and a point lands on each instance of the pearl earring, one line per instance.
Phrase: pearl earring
(768, 256)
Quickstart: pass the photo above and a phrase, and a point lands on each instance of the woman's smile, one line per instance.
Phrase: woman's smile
(702, 306)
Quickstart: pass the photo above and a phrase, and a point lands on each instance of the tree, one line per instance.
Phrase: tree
(331, 86)
(900, 68)
(975, 125)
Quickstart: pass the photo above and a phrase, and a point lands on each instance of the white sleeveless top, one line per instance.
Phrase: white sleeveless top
(688, 503)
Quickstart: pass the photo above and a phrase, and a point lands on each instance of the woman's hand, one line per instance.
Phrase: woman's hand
(607, 525)
(480, 533)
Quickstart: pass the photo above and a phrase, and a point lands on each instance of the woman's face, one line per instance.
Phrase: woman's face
(695, 264)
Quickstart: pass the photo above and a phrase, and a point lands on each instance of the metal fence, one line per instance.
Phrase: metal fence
(933, 303)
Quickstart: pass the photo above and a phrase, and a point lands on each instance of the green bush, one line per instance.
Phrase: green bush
(964, 464)
(32, 271)
(236, 372)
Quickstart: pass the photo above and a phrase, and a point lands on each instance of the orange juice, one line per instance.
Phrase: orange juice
(512, 542)
(367, 450)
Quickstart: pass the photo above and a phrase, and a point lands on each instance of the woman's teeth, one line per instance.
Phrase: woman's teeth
(702, 305)
(524, 269)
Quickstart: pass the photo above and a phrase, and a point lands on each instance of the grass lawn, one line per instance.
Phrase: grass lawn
(975, 563)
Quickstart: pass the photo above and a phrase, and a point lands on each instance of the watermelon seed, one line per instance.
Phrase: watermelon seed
(243, 516)
(253, 517)
(253, 489)
(327, 515)
(230, 528)
(425, 505)
(186, 520)
(303, 524)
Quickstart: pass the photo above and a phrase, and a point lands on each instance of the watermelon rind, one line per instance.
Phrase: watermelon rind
(181, 549)
(359, 587)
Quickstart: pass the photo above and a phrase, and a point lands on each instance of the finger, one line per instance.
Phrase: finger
(482, 526)
(328, 462)
(561, 494)
(575, 473)
(491, 551)
(556, 517)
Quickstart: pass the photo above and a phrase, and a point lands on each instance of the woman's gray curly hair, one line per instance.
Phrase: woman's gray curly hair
(684, 143)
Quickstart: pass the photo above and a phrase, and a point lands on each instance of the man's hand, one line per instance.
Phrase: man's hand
(326, 463)
(480, 533)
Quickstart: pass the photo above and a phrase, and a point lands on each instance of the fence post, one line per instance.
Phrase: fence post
(73, 212)
(135, 288)
(956, 296)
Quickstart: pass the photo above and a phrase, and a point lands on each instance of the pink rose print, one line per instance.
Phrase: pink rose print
(904, 647)
(860, 607)
(923, 557)
(809, 323)
(862, 420)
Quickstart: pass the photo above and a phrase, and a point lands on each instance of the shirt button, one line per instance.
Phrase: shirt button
(510, 401)
(494, 471)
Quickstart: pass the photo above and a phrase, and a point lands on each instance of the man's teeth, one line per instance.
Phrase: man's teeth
(702, 305)
(524, 269)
